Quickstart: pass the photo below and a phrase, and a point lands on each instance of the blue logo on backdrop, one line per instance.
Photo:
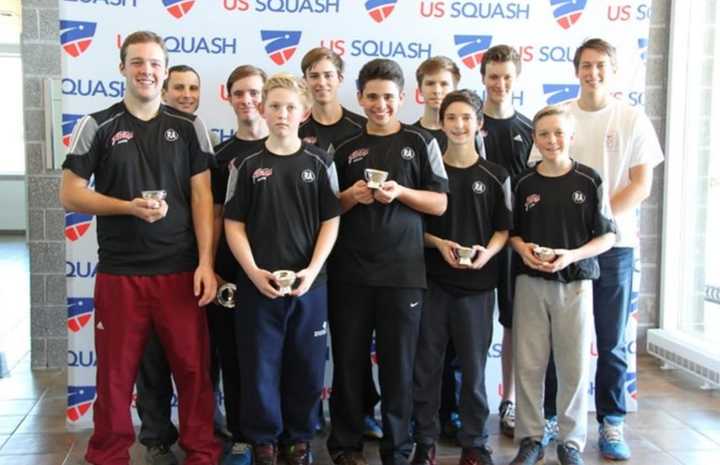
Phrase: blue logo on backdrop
(472, 48)
(280, 45)
(80, 399)
(131, 3)
(80, 311)
(390, 49)
(643, 47)
(631, 385)
(474, 9)
(76, 36)
(198, 44)
(93, 88)
(69, 121)
(295, 6)
(178, 8)
(78, 269)
(379, 10)
(567, 12)
(81, 358)
(559, 93)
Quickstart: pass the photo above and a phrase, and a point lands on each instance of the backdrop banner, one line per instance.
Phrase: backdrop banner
(215, 36)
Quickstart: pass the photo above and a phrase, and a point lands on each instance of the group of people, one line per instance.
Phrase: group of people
(329, 222)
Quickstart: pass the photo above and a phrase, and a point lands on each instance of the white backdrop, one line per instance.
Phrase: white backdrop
(215, 36)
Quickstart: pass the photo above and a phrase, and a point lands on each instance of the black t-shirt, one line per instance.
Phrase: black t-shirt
(378, 244)
(225, 264)
(127, 156)
(478, 205)
(563, 212)
(327, 136)
(508, 142)
(283, 200)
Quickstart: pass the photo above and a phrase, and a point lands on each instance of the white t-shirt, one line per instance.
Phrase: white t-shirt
(612, 141)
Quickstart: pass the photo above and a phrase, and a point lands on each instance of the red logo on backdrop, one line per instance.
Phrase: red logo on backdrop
(76, 36)
(178, 8)
(379, 10)
(471, 48)
(280, 45)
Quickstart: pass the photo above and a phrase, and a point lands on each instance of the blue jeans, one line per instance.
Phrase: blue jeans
(611, 295)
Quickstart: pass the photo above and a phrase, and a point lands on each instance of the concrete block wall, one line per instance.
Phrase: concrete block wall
(40, 47)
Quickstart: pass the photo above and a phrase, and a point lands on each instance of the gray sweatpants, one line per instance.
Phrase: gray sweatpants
(552, 315)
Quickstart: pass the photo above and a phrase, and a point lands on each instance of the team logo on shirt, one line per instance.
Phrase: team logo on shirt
(80, 399)
(280, 45)
(76, 36)
(307, 176)
(178, 8)
(611, 141)
(531, 200)
(121, 137)
(379, 10)
(407, 153)
(567, 12)
(578, 197)
(312, 140)
(479, 187)
(472, 48)
(357, 155)
(171, 135)
(261, 174)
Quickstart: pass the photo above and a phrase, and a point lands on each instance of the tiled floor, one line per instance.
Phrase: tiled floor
(678, 424)
(15, 292)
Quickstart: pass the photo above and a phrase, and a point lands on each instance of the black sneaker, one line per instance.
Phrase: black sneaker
(476, 456)
(265, 454)
(568, 455)
(530, 453)
(160, 455)
(424, 454)
(507, 418)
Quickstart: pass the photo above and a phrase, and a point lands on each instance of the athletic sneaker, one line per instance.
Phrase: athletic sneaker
(552, 430)
(160, 455)
(611, 439)
(239, 454)
(507, 418)
(298, 454)
(350, 457)
(371, 428)
(530, 453)
(424, 454)
(265, 454)
(568, 455)
(476, 456)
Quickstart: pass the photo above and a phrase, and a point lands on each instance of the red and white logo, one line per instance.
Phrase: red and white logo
(261, 174)
(531, 201)
(357, 155)
(121, 137)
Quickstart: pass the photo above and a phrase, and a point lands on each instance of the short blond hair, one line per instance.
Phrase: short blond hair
(554, 110)
(289, 82)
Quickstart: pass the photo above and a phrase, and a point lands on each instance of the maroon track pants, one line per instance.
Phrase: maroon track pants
(125, 309)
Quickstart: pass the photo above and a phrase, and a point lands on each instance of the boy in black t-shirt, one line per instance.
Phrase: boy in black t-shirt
(155, 249)
(436, 77)
(562, 222)
(329, 122)
(460, 300)
(378, 264)
(244, 88)
(282, 214)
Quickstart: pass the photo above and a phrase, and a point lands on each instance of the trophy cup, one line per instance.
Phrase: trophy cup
(226, 295)
(545, 254)
(285, 280)
(375, 178)
(158, 195)
(465, 255)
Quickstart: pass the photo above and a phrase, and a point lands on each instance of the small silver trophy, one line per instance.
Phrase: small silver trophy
(545, 254)
(465, 255)
(375, 178)
(285, 279)
(226, 295)
(158, 195)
